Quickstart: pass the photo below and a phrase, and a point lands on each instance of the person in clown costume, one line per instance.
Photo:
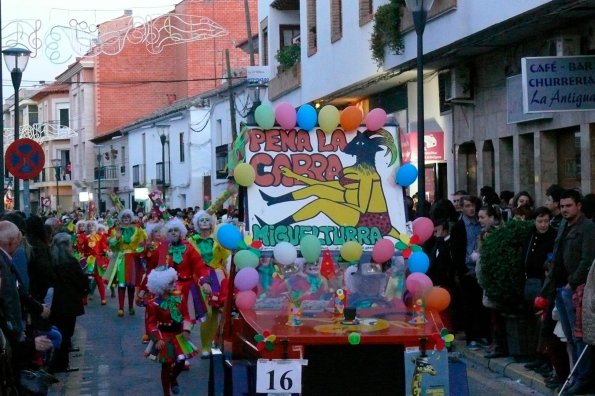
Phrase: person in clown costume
(169, 325)
(94, 256)
(127, 240)
(190, 267)
(78, 238)
(215, 257)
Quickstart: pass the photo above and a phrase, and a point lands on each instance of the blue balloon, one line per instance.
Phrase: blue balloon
(406, 174)
(229, 236)
(419, 262)
(307, 117)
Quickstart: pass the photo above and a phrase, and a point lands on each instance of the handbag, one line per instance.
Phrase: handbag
(35, 382)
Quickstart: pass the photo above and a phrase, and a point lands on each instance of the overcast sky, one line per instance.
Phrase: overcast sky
(55, 16)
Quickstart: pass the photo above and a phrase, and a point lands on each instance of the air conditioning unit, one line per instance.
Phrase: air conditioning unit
(460, 84)
(565, 45)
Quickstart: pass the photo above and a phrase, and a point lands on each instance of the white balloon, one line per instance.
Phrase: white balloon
(285, 253)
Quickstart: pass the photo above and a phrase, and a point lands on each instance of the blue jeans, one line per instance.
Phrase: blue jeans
(568, 321)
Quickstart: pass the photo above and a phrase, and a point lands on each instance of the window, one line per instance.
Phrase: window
(366, 11)
(123, 163)
(182, 156)
(312, 40)
(444, 83)
(221, 161)
(265, 46)
(287, 35)
(336, 20)
(33, 114)
(64, 122)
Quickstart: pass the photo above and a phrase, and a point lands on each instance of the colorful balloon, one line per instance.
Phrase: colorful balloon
(245, 299)
(437, 298)
(285, 115)
(246, 279)
(328, 118)
(285, 253)
(307, 117)
(244, 174)
(245, 258)
(406, 174)
(423, 227)
(351, 251)
(375, 119)
(418, 262)
(229, 236)
(418, 283)
(383, 251)
(351, 118)
(264, 116)
(311, 248)
(354, 338)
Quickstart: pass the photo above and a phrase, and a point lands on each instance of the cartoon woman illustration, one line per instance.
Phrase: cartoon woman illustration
(356, 198)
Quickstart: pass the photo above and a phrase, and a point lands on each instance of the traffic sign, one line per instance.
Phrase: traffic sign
(24, 159)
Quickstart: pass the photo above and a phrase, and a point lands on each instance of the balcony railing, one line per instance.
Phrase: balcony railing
(138, 175)
(109, 172)
(162, 172)
(48, 174)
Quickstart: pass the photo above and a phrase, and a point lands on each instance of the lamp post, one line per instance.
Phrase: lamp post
(98, 179)
(419, 10)
(57, 162)
(16, 61)
(163, 132)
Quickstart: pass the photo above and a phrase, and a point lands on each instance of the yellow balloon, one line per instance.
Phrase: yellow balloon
(351, 251)
(449, 338)
(244, 174)
(328, 118)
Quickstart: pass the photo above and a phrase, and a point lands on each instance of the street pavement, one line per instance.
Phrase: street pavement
(111, 358)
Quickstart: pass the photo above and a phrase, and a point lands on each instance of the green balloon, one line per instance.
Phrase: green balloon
(245, 258)
(264, 116)
(311, 248)
(354, 338)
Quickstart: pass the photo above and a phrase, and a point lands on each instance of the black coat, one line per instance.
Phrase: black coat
(71, 285)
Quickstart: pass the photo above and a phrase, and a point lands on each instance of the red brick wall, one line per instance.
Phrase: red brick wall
(196, 65)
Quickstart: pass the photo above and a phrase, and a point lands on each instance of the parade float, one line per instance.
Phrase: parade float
(330, 293)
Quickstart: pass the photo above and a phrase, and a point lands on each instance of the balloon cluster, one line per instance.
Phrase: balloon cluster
(328, 118)
(266, 340)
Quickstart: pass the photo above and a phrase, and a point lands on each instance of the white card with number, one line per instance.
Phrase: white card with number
(279, 376)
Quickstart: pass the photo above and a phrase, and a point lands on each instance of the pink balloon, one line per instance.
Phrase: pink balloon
(383, 251)
(245, 299)
(375, 119)
(423, 227)
(418, 283)
(246, 279)
(285, 115)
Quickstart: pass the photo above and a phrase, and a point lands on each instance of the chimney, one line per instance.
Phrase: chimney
(127, 12)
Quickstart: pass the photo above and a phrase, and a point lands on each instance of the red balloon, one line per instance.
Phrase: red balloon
(437, 298)
(423, 227)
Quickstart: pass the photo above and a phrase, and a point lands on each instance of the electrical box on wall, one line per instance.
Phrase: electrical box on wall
(565, 45)
(460, 83)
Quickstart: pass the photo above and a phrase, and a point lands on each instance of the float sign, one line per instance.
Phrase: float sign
(558, 83)
(338, 186)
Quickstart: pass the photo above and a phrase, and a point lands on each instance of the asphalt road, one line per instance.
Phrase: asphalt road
(111, 362)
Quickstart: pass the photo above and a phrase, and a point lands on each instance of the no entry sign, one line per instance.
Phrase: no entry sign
(24, 159)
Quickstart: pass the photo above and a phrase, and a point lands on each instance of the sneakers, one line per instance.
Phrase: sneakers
(103, 302)
(205, 354)
(120, 313)
(473, 346)
(145, 339)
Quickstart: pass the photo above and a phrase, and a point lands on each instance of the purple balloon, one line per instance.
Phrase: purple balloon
(246, 279)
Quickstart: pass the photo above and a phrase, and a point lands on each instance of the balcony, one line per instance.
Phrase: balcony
(138, 176)
(285, 81)
(48, 175)
(109, 172)
(163, 174)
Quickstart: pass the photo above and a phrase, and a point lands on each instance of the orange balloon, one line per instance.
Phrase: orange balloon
(437, 298)
(351, 118)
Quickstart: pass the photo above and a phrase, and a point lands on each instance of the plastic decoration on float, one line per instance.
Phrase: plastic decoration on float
(299, 273)
(158, 207)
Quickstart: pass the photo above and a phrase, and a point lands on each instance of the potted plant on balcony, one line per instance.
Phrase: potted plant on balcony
(387, 30)
(288, 56)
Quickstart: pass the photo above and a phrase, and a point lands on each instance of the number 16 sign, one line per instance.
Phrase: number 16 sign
(279, 376)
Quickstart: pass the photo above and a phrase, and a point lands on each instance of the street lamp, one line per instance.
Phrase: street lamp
(16, 61)
(419, 10)
(163, 132)
(57, 162)
(98, 147)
